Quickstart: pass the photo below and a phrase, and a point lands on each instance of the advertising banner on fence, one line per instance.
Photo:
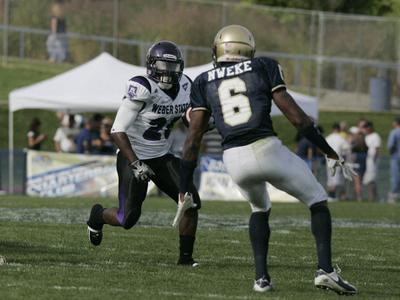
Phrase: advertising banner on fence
(216, 184)
(52, 174)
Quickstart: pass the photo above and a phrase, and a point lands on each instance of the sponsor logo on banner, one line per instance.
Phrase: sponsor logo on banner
(217, 184)
(212, 164)
(62, 174)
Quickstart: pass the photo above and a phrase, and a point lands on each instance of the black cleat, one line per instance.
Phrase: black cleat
(187, 261)
(95, 233)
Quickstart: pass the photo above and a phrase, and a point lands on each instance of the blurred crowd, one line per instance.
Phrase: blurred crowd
(76, 134)
(360, 145)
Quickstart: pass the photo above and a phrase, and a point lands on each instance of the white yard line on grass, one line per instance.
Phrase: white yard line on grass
(163, 219)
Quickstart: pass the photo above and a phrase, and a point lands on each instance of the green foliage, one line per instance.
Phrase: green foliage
(366, 7)
(50, 258)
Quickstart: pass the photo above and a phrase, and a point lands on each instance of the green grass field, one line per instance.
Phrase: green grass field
(48, 255)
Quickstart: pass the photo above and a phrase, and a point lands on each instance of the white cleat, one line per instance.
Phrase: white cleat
(332, 281)
(262, 285)
(182, 207)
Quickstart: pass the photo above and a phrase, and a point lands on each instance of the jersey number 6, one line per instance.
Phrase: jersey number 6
(235, 105)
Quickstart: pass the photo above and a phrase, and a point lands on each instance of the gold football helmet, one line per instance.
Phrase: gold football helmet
(233, 43)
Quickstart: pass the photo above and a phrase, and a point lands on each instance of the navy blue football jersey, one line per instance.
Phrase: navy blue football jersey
(239, 97)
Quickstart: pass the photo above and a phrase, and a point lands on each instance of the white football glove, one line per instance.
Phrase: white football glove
(182, 207)
(347, 169)
(141, 171)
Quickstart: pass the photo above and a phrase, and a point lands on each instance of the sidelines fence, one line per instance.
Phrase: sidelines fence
(320, 52)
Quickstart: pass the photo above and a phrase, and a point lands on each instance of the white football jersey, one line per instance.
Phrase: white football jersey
(149, 131)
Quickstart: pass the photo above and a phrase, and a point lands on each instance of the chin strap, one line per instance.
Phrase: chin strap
(165, 86)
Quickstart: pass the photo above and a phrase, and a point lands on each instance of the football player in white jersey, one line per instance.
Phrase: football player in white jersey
(238, 93)
(150, 107)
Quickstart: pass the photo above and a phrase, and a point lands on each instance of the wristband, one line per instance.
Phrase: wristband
(314, 136)
(186, 175)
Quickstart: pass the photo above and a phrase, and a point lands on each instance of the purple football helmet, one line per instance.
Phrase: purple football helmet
(165, 63)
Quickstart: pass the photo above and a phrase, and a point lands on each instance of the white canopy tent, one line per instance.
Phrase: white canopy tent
(96, 86)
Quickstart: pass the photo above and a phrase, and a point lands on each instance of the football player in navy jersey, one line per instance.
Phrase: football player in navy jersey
(151, 105)
(238, 94)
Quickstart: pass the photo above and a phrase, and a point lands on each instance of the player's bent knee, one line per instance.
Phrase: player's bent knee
(130, 221)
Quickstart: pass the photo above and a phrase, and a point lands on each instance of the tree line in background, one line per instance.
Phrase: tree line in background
(364, 7)
(184, 22)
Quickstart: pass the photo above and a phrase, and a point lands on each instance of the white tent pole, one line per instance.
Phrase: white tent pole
(10, 152)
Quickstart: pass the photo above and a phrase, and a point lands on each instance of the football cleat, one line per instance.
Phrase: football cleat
(95, 233)
(262, 285)
(182, 207)
(95, 236)
(332, 281)
(183, 261)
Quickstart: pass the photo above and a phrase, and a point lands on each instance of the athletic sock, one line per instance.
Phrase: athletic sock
(96, 219)
(321, 227)
(259, 236)
(186, 243)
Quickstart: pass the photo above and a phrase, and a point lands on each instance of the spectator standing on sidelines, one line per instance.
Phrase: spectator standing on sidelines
(393, 146)
(335, 183)
(88, 140)
(359, 156)
(344, 130)
(107, 146)
(35, 138)
(305, 149)
(64, 138)
(57, 43)
(373, 142)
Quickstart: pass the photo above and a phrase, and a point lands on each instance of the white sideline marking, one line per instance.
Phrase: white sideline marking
(371, 257)
(163, 219)
(79, 288)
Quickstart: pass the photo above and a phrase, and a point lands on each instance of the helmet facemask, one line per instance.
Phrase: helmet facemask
(166, 73)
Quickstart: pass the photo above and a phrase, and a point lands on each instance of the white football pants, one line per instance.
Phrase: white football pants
(267, 160)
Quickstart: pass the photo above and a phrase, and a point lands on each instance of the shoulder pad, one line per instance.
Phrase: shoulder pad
(138, 88)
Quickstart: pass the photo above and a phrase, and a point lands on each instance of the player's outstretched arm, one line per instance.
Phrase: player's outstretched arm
(197, 126)
(306, 126)
(302, 122)
(126, 116)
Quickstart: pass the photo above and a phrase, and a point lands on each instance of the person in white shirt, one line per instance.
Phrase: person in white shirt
(64, 138)
(373, 142)
(335, 183)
